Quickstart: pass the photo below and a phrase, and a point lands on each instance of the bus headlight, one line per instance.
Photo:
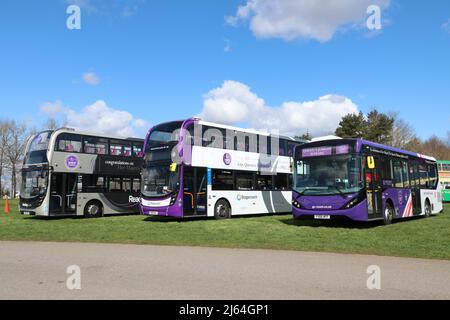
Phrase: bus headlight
(173, 198)
(297, 204)
(355, 201)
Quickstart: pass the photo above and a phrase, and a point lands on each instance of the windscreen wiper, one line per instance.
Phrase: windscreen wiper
(340, 191)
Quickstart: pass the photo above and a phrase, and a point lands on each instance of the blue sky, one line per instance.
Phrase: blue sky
(158, 60)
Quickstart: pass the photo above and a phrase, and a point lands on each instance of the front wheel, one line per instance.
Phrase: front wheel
(93, 209)
(388, 214)
(222, 210)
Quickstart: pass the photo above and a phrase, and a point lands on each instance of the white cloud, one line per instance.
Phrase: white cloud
(100, 118)
(303, 19)
(91, 78)
(234, 103)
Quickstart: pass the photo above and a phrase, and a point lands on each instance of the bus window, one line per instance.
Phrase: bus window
(423, 174)
(433, 176)
(126, 185)
(222, 180)
(136, 187)
(137, 150)
(68, 142)
(398, 174)
(263, 182)
(93, 145)
(120, 148)
(281, 182)
(283, 147)
(115, 185)
(244, 180)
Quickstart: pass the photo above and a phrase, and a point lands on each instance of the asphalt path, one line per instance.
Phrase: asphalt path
(37, 270)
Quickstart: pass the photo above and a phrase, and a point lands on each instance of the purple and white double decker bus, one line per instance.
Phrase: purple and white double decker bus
(363, 181)
(195, 168)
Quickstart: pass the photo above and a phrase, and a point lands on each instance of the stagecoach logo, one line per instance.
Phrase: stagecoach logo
(240, 197)
(227, 159)
(71, 162)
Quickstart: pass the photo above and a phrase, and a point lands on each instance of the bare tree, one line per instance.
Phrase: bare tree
(402, 134)
(15, 150)
(4, 140)
(53, 124)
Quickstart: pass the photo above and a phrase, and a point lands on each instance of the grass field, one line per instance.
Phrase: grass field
(421, 238)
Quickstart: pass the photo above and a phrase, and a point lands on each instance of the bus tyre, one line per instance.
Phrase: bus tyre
(428, 209)
(222, 210)
(388, 214)
(93, 209)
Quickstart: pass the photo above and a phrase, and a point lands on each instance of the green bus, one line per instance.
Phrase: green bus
(444, 178)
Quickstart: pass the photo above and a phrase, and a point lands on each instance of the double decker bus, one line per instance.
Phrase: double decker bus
(444, 178)
(73, 173)
(195, 168)
(363, 181)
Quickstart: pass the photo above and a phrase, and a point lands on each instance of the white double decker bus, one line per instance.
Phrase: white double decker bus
(198, 168)
(73, 173)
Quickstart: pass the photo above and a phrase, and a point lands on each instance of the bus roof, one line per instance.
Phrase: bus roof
(362, 142)
(93, 134)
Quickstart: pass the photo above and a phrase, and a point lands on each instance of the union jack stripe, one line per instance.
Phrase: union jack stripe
(408, 212)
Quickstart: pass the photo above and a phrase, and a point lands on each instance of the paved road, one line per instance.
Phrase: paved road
(33, 270)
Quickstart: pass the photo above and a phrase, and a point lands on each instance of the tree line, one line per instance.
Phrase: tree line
(391, 130)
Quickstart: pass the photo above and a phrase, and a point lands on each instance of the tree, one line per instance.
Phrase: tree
(4, 139)
(352, 126)
(403, 134)
(53, 124)
(379, 127)
(306, 136)
(375, 127)
(15, 149)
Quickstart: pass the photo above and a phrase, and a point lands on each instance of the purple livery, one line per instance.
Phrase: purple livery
(363, 181)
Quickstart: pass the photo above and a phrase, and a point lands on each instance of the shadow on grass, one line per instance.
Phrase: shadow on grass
(346, 223)
(204, 218)
(71, 217)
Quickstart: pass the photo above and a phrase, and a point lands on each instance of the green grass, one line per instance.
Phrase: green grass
(421, 238)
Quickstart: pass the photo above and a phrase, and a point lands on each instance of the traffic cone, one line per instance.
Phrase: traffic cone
(6, 205)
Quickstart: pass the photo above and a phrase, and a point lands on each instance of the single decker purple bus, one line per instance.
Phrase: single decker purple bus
(363, 181)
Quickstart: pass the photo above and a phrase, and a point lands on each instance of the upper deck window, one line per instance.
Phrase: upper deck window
(69, 142)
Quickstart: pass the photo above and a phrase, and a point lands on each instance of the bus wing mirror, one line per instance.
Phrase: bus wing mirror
(371, 162)
(173, 167)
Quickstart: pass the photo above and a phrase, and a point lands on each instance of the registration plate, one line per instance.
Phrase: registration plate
(153, 213)
(26, 213)
(322, 217)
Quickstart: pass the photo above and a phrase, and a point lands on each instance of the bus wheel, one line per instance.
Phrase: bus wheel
(93, 209)
(222, 210)
(388, 214)
(428, 209)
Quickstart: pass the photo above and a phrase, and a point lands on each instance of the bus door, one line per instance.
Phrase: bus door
(415, 188)
(195, 190)
(374, 187)
(63, 193)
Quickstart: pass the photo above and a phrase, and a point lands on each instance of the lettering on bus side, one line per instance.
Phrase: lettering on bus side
(132, 199)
